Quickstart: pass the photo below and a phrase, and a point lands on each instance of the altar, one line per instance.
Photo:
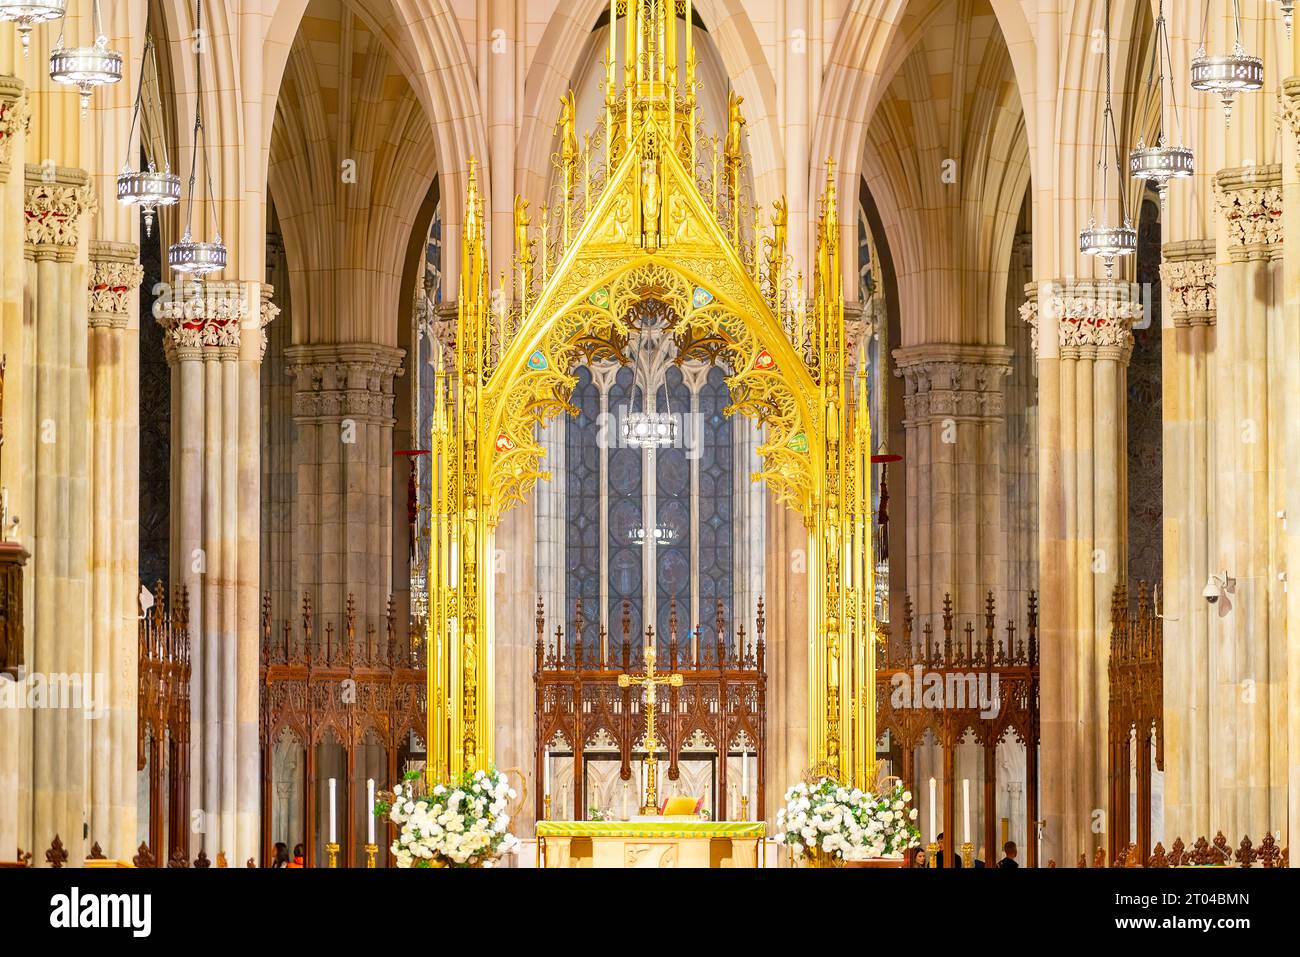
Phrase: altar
(664, 843)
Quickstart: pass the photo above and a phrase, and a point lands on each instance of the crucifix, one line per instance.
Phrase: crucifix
(649, 681)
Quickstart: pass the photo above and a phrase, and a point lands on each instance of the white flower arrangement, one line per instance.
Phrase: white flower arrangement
(461, 824)
(832, 821)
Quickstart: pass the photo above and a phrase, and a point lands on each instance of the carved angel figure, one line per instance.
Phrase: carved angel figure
(735, 123)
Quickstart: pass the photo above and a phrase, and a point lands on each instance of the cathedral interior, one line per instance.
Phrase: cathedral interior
(332, 463)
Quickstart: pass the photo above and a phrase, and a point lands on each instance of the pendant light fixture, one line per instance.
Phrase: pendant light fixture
(662, 534)
(1162, 162)
(188, 257)
(649, 430)
(146, 187)
(86, 67)
(1230, 74)
(1109, 242)
(24, 13)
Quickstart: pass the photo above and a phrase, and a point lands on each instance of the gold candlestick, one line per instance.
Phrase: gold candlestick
(650, 799)
(932, 854)
(546, 808)
(968, 854)
(332, 852)
(371, 851)
(744, 807)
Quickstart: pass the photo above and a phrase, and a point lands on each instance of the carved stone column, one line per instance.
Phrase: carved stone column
(215, 343)
(1189, 275)
(16, 474)
(953, 416)
(1246, 770)
(1082, 479)
(115, 276)
(57, 200)
(1290, 438)
(343, 457)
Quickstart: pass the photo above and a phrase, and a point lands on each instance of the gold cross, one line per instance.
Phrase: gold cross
(649, 681)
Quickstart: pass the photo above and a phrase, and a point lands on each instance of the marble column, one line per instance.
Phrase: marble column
(343, 459)
(1246, 659)
(786, 567)
(1290, 440)
(215, 344)
(953, 414)
(57, 199)
(1189, 276)
(16, 474)
(114, 279)
(1082, 542)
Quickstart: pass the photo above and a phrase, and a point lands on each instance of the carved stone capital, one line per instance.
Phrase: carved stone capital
(202, 315)
(15, 116)
(348, 380)
(946, 381)
(115, 271)
(1029, 314)
(1189, 272)
(1249, 199)
(1094, 318)
(1288, 107)
(56, 200)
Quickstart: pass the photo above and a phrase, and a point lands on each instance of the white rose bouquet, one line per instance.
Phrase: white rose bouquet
(464, 823)
(829, 822)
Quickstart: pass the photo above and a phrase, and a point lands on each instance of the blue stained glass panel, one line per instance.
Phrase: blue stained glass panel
(673, 504)
(582, 508)
(625, 561)
(716, 544)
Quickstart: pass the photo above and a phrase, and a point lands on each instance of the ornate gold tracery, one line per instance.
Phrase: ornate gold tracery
(651, 224)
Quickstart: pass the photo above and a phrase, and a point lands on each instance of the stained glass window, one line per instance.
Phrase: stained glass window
(625, 489)
(673, 518)
(426, 319)
(717, 485)
(582, 492)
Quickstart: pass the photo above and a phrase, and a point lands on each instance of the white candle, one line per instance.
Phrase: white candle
(933, 830)
(370, 802)
(333, 833)
(744, 774)
(965, 809)
(546, 772)
(626, 787)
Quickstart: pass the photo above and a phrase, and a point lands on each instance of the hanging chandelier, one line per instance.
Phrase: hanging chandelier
(25, 14)
(146, 187)
(649, 429)
(662, 534)
(1230, 74)
(1162, 162)
(189, 257)
(86, 67)
(419, 592)
(1104, 241)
